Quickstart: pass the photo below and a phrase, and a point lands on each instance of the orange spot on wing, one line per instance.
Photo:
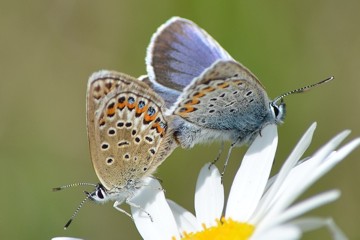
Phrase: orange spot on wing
(190, 109)
(192, 101)
(110, 112)
(183, 111)
(121, 105)
(238, 82)
(131, 106)
(223, 85)
(158, 128)
(139, 111)
(148, 118)
(199, 94)
(203, 92)
(208, 89)
(187, 109)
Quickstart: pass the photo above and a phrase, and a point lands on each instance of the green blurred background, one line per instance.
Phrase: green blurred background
(48, 49)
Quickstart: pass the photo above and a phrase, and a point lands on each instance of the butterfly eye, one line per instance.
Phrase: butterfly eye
(279, 111)
(276, 111)
(99, 194)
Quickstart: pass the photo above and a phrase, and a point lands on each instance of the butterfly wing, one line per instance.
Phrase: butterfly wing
(178, 52)
(169, 95)
(128, 134)
(227, 96)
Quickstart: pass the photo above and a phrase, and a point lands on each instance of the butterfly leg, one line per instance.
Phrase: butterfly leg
(117, 207)
(227, 159)
(218, 156)
(140, 208)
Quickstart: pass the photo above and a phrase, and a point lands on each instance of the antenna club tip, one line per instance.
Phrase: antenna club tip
(330, 78)
(56, 189)
(67, 224)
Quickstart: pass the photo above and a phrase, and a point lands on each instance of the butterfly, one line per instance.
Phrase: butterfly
(213, 96)
(128, 136)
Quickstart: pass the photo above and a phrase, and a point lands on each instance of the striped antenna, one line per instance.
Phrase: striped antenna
(73, 185)
(82, 202)
(76, 211)
(302, 89)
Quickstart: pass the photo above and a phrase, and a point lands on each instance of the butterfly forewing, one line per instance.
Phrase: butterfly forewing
(180, 51)
(126, 128)
(169, 95)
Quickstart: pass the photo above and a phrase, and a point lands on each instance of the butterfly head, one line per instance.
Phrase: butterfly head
(99, 195)
(102, 195)
(278, 110)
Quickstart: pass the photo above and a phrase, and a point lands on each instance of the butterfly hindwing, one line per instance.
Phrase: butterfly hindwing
(224, 93)
(127, 128)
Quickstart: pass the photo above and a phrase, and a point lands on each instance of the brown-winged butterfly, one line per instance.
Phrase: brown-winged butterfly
(128, 137)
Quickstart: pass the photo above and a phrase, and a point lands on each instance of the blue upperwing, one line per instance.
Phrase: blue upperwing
(178, 52)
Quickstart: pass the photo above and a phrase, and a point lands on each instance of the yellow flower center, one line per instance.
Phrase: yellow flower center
(226, 229)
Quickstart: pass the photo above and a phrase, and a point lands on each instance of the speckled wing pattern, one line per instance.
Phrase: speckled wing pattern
(128, 132)
(226, 96)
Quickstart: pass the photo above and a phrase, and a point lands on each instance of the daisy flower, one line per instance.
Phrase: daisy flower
(258, 207)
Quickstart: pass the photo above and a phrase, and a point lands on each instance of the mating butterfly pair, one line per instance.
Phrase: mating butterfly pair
(194, 92)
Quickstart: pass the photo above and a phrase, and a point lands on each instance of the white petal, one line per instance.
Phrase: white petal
(302, 208)
(251, 178)
(302, 176)
(209, 195)
(338, 156)
(284, 232)
(278, 180)
(65, 238)
(185, 220)
(327, 149)
(312, 223)
(307, 173)
(152, 199)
